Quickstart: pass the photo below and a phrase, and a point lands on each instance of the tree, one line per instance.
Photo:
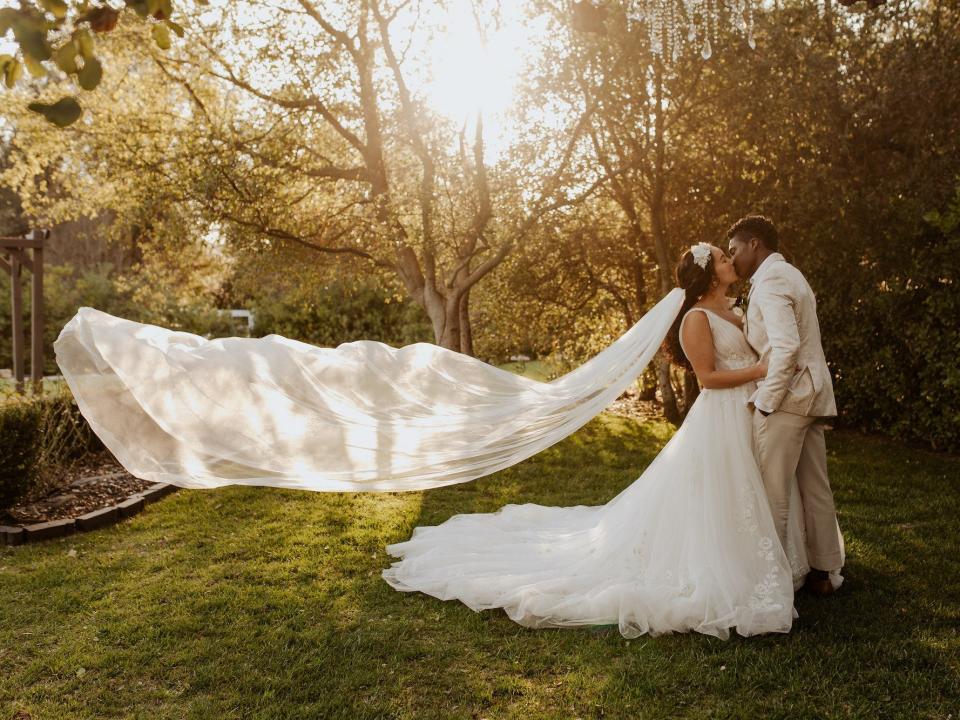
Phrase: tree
(61, 34)
(637, 137)
(338, 152)
(56, 42)
(390, 180)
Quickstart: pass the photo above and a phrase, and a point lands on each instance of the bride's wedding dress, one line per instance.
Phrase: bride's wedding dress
(689, 545)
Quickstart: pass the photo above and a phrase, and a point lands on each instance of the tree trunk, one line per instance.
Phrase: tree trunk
(647, 383)
(446, 327)
(691, 390)
(657, 224)
(667, 396)
(451, 321)
(466, 331)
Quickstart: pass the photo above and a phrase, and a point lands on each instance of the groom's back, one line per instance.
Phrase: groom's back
(811, 354)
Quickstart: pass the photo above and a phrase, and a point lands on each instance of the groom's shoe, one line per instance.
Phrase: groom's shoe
(818, 583)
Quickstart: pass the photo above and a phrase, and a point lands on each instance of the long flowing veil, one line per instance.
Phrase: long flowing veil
(178, 408)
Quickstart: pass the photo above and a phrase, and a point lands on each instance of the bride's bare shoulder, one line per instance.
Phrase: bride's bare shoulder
(696, 321)
(696, 335)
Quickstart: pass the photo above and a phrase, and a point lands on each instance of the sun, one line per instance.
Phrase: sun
(472, 71)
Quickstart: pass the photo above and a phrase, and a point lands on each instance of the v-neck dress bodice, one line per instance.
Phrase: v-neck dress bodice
(730, 346)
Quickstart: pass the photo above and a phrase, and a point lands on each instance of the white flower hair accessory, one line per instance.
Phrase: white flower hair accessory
(701, 254)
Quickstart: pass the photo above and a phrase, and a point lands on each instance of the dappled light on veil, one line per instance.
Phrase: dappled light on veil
(362, 416)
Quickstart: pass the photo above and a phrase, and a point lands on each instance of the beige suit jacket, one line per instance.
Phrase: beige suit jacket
(782, 326)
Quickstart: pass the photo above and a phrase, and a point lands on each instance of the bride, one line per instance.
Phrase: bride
(689, 545)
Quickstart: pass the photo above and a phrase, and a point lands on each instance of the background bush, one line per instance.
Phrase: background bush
(892, 335)
(338, 312)
(19, 424)
(40, 437)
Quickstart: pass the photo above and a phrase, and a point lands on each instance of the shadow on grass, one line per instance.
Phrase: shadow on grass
(878, 648)
(261, 603)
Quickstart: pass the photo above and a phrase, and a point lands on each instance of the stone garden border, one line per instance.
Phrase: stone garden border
(104, 517)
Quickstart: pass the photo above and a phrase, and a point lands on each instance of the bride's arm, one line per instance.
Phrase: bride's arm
(698, 341)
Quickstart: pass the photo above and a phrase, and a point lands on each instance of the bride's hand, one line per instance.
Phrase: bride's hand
(761, 369)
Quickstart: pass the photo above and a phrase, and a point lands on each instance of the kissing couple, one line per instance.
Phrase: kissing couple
(733, 515)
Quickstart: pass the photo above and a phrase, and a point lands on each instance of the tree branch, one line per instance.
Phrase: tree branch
(339, 35)
(409, 113)
(302, 103)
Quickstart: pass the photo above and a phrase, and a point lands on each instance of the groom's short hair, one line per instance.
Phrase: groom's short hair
(757, 226)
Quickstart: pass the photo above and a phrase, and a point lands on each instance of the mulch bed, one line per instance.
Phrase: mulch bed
(631, 405)
(96, 481)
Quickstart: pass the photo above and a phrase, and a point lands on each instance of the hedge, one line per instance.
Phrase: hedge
(39, 435)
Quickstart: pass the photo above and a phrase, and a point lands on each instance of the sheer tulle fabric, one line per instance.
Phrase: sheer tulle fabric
(690, 545)
(178, 408)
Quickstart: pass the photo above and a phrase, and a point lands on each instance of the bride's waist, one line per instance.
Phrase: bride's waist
(746, 388)
(738, 361)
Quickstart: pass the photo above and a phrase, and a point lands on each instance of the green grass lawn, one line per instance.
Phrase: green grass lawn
(8, 387)
(264, 603)
(542, 370)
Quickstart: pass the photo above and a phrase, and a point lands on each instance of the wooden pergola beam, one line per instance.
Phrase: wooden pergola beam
(15, 249)
(23, 241)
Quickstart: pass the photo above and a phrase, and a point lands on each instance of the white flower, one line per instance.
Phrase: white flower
(701, 254)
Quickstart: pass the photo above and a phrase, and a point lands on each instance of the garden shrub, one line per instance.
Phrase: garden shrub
(892, 336)
(19, 449)
(330, 314)
(40, 436)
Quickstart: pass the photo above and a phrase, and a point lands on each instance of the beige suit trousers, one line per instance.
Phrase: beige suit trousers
(789, 446)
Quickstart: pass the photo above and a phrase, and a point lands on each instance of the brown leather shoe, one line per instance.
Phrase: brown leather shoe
(818, 586)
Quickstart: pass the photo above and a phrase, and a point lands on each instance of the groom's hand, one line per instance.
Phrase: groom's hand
(762, 412)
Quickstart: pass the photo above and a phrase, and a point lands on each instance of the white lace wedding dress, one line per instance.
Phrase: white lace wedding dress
(689, 545)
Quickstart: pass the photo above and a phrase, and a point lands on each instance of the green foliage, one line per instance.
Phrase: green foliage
(39, 434)
(64, 434)
(894, 347)
(843, 132)
(61, 32)
(846, 137)
(11, 70)
(61, 113)
(19, 450)
(90, 74)
(341, 311)
(154, 291)
(174, 285)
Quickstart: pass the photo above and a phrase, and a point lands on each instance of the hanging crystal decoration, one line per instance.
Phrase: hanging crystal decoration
(666, 19)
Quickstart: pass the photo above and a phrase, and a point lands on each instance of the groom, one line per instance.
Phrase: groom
(790, 403)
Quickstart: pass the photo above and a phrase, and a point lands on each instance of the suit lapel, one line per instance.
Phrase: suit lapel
(772, 259)
(746, 315)
(746, 318)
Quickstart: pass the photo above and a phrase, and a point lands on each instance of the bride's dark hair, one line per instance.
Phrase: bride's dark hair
(695, 281)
